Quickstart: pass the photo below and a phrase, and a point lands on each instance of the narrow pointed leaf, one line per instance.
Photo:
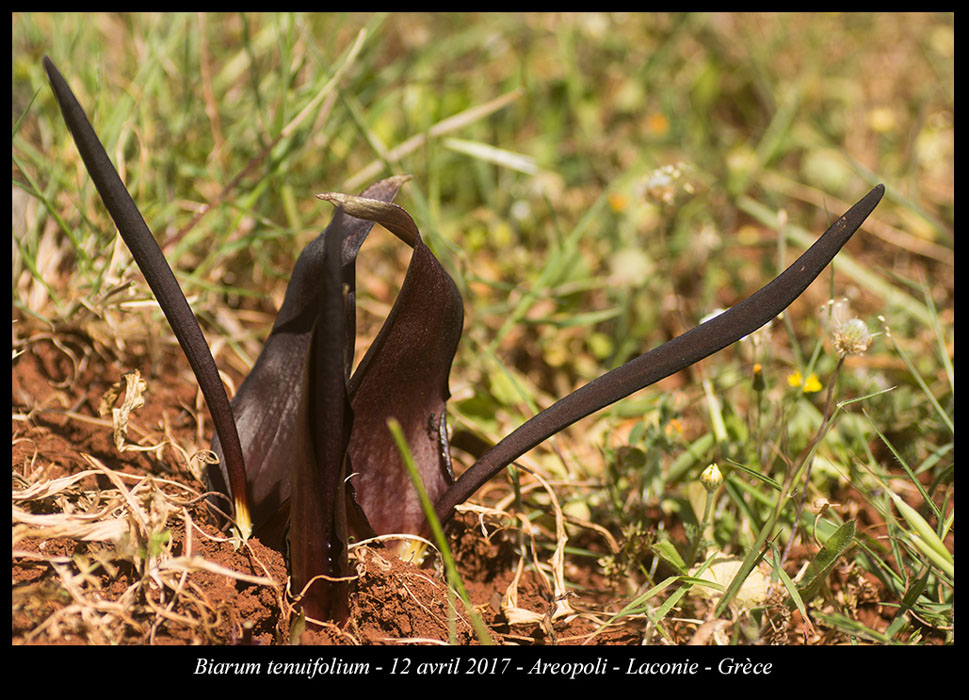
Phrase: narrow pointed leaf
(825, 559)
(133, 229)
(667, 359)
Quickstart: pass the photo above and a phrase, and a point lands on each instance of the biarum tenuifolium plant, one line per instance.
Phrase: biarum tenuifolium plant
(304, 449)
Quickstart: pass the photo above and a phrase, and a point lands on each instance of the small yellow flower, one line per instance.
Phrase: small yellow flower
(674, 427)
(659, 124)
(618, 202)
(882, 120)
(759, 382)
(811, 385)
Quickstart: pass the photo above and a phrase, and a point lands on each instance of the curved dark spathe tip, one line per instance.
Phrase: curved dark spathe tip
(160, 278)
(669, 358)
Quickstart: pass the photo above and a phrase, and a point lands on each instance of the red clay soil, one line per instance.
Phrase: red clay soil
(55, 400)
(189, 583)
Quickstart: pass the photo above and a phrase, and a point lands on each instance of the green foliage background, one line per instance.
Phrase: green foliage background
(549, 211)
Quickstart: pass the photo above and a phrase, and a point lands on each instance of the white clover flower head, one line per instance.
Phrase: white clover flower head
(849, 334)
(851, 337)
(661, 183)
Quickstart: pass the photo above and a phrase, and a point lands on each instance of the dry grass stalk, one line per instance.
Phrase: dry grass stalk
(130, 528)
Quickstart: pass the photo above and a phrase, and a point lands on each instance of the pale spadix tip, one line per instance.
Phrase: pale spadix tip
(243, 519)
(392, 217)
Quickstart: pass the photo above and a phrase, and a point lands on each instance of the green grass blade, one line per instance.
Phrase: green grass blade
(438, 532)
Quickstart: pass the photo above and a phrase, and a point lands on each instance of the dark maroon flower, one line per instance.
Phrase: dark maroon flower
(305, 453)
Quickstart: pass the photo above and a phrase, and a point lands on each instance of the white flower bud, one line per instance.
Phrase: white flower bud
(711, 478)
